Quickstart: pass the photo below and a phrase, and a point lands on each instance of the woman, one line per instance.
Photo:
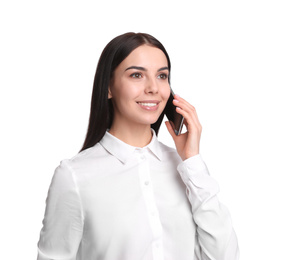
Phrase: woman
(126, 195)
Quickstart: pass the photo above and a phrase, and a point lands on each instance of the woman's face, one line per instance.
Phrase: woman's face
(139, 88)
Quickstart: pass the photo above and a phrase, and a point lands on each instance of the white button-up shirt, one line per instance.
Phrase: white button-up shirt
(118, 202)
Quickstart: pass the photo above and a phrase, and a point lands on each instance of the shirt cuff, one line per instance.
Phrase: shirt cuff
(193, 167)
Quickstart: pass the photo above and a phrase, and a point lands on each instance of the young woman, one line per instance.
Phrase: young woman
(126, 196)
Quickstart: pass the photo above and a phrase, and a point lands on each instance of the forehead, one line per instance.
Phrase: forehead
(146, 56)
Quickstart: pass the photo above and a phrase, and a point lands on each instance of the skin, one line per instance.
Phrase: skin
(187, 144)
(140, 79)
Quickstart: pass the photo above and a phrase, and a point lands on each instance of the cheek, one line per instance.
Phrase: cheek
(127, 90)
(166, 93)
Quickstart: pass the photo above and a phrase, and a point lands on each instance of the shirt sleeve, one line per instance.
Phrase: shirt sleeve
(63, 221)
(216, 237)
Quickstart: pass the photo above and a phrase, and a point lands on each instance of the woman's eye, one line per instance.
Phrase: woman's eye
(136, 75)
(163, 76)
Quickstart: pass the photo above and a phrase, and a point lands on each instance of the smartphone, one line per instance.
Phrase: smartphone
(173, 116)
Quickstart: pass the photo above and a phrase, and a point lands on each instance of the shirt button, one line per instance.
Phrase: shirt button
(146, 183)
(142, 157)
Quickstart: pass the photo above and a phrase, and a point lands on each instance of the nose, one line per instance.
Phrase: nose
(151, 86)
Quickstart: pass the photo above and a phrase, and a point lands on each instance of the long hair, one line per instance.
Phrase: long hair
(101, 114)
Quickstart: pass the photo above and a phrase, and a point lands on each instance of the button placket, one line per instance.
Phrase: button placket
(145, 172)
(152, 211)
(157, 250)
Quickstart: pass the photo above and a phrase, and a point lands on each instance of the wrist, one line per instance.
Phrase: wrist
(189, 155)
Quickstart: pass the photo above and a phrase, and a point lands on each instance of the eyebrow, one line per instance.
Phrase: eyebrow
(144, 69)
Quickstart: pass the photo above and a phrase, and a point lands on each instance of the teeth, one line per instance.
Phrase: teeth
(148, 104)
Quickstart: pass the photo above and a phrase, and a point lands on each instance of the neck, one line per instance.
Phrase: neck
(137, 136)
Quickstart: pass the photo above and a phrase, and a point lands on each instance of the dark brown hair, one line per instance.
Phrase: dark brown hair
(101, 114)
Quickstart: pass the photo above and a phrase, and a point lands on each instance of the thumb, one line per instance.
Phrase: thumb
(170, 129)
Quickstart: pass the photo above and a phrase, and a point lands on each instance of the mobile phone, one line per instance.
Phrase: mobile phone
(173, 116)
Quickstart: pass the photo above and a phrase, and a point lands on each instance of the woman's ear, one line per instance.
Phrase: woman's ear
(109, 93)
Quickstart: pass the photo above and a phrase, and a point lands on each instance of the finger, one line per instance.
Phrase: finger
(191, 121)
(188, 112)
(188, 115)
(189, 109)
(185, 106)
(183, 102)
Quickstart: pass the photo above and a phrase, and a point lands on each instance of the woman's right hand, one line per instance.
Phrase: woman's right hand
(187, 144)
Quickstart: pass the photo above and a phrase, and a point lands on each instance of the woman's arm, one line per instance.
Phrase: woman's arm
(63, 222)
(216, 236)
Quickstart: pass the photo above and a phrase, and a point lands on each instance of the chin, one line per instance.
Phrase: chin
(151, 121)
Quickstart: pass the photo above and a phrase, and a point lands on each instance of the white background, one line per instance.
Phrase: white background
(226, 61)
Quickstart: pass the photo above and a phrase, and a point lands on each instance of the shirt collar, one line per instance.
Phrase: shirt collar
(123, 151)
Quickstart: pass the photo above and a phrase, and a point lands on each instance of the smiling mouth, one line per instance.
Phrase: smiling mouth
(149, 105)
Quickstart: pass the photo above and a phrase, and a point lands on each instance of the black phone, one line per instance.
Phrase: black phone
(173, 116)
